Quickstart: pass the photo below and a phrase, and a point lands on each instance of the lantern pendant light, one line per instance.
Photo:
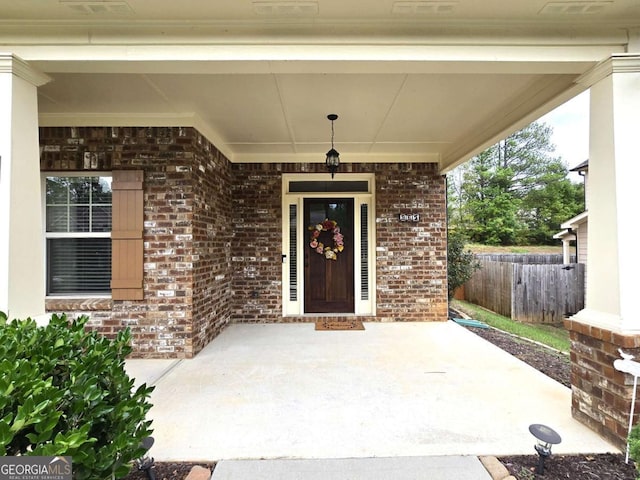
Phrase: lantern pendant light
(333, 157)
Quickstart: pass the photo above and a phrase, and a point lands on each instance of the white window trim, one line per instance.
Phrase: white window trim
(361, 307)
(46, 235)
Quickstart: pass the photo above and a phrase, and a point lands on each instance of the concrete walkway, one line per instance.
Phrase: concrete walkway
(286, 391)
(397, 468)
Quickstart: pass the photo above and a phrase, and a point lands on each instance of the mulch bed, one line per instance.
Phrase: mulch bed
(557, 467)
(553, 364)
(168, 471)
(579, 467)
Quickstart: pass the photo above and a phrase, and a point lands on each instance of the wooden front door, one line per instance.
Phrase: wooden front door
(328, 283)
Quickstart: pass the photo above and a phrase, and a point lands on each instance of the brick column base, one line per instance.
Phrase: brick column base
(601, 395)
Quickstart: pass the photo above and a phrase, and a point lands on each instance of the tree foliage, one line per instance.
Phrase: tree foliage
(515, 192)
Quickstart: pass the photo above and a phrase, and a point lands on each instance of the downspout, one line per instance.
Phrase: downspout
(584, 192)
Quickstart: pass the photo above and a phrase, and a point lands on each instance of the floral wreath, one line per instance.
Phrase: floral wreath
(330, 253)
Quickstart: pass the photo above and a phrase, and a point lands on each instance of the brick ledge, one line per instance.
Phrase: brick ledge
(624, 340)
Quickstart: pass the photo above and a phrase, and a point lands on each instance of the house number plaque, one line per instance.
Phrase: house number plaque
(409, 217)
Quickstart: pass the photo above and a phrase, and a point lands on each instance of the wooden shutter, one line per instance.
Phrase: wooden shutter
(126, 235)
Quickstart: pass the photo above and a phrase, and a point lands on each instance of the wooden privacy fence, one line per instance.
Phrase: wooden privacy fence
(528, 258)
(534, 293)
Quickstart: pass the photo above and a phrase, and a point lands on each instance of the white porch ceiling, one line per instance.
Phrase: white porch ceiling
(410, 80)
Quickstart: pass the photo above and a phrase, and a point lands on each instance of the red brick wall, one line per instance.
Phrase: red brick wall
(601, 395)
(212, 231)
(411, 257)
(212, 236)
(186, 234)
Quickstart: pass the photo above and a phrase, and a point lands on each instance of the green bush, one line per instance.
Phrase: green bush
(634, 447)
(64, 391)
(461, 263)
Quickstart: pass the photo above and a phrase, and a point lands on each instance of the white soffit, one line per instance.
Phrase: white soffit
(421, 80)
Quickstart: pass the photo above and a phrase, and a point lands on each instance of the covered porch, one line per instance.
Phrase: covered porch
(205, 101)
(392, 390)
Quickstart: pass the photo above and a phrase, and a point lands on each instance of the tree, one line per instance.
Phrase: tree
(544, 209)
(514, 192)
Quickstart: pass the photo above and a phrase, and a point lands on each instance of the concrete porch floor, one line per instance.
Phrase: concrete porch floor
(392, 390)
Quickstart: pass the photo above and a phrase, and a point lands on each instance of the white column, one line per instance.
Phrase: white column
(613, 261)
(21, 229)
(566, 250)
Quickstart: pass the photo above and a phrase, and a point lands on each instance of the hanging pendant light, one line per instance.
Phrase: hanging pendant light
(333, 157)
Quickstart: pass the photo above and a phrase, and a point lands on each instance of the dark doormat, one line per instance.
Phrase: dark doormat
(339, 325)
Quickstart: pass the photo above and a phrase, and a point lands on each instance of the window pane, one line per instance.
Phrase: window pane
(80, 190)
(329, 186)
(78, 265)
(293, 253)
(101, 218)
(87, 200)
(57, 190)
(79, 221)
(101, 190)
(57, 219)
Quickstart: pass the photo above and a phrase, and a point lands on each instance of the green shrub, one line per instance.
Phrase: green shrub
(461, 263)
(64, 391)
(634, 447)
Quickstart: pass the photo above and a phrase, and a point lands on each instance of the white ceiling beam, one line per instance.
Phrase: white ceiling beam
(245, 59)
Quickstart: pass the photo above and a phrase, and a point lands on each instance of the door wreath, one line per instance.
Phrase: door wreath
(330, 253)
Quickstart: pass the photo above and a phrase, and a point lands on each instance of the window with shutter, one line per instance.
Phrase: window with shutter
(126, 235)
(78, 226)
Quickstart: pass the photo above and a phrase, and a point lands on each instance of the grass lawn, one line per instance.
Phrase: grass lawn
(550, 335)
(534, 249)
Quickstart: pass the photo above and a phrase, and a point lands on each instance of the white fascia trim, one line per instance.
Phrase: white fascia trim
(555, 88)
(344, 158)
(10, 63)
(576, 221)
(616, 63)
(562, 235)
(128, 55)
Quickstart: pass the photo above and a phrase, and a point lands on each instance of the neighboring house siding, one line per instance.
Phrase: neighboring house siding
(212, 236)
(582, 242)
(583, 234)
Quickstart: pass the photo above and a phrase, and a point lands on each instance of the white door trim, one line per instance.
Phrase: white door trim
(293, 274)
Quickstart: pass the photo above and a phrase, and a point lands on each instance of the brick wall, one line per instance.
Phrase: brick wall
(186, 237)
(211, 244)
(212, 236)
(256, 242)
(601, 395)
(411, 257)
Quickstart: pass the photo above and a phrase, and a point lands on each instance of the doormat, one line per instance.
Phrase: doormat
(339, 325)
